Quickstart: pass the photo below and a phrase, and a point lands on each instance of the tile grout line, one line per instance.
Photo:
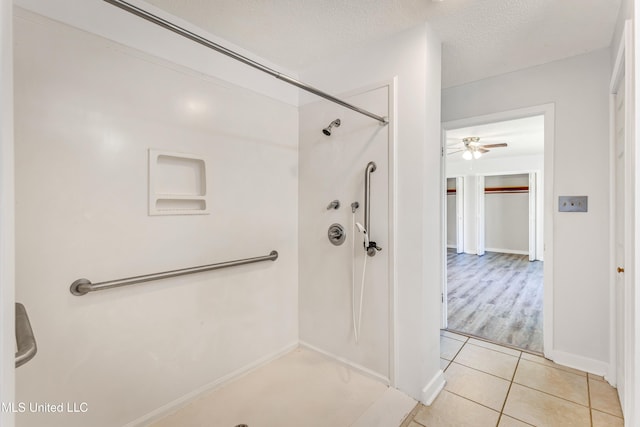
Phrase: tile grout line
(472, 401)
(457, 353)
(589, 400)
(586, 374)
(411, 417)
(493, 349)
(607, 413)
(553, 395)
(453, 333)
(481, 371)
(509, 389)
(490, 341)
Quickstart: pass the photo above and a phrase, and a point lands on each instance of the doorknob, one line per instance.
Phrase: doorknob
(620, 270)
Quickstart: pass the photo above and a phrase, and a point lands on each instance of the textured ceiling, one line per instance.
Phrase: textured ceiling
(525, 137)
(481, 38)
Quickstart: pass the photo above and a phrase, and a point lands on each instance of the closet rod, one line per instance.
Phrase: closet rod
(506, 190)
(230, 53)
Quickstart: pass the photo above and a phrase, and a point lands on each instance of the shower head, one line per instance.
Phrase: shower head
(327, 130)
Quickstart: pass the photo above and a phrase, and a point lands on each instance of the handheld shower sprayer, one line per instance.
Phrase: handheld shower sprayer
(366, 235)
(357, 313)
(327, 130)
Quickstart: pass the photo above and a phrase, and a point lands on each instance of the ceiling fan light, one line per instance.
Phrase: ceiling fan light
(467, 155)
(477, 154)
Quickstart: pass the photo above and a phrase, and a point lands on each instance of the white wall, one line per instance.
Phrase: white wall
(507, 215)
(87, 110)
(414, 58)
(7, 253)
(106, 20)
(578, 87)
(469, 169)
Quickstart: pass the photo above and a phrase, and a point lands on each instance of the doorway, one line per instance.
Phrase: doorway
(497, 293)
(494, 286)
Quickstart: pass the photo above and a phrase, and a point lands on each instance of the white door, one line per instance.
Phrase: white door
(619, 219)
(459, 214)
(532, 216)
(480, 215)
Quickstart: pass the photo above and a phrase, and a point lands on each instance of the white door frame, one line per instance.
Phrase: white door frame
(460, 214)
(459, 237)
(7, 246)
(624, 71)
(480, 222)
(548, 111)
(533, 216)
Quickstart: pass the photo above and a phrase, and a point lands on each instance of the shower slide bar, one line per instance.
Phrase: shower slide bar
(84, 286)
(230, 53)
(25, 340)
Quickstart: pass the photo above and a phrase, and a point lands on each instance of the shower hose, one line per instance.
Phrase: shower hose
(356, 325)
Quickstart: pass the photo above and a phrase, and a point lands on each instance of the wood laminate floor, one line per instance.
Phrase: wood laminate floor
(496, 296)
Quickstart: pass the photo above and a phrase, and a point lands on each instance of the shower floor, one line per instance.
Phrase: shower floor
(302, 388)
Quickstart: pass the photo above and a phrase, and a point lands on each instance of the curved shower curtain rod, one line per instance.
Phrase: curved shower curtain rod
(221, 49)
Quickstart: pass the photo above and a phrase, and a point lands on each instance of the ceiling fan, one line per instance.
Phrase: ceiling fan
(473, 149)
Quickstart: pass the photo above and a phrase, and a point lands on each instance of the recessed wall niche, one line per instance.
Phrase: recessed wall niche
(177, 184)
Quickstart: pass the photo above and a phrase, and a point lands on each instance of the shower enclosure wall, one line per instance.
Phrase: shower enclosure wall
(332, 167)
(87, 111)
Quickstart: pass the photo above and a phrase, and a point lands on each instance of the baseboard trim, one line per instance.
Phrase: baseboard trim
(433, 388)
(361, 369)
(452, 246)
(180, 402)
(595, 367)
(507, 251)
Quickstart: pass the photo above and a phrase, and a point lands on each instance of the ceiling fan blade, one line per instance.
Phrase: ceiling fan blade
(503, 144)
(482, 150)
(454, 152)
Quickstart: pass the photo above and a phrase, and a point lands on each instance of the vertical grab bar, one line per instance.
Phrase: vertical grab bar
(371, 167)
(372, 248)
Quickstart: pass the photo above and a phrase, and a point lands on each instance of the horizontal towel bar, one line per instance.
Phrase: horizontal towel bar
(25, 339)
(83, 286)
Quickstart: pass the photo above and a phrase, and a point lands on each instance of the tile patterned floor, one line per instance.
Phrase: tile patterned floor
(490, 385)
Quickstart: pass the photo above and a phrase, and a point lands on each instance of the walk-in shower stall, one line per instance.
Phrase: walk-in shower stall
(336, 167)
(182, 218)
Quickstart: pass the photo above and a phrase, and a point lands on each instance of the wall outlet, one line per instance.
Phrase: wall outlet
(572, 203)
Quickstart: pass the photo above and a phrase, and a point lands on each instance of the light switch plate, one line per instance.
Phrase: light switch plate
(572, 203)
